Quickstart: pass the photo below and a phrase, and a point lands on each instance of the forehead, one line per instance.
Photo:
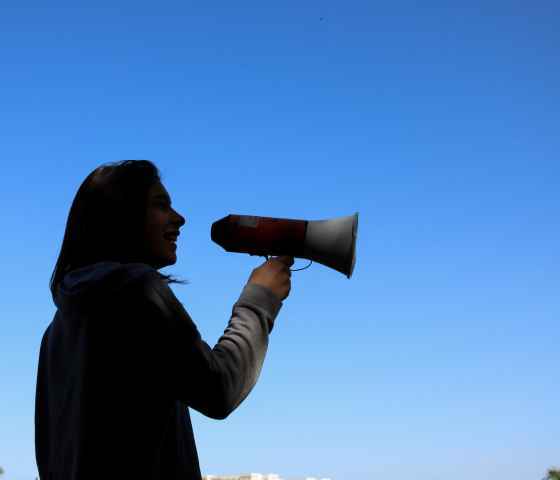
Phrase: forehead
(158, 190)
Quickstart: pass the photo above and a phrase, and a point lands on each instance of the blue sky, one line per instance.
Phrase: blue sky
(438, 124)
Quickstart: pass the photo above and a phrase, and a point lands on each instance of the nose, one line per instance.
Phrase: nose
(180, 219)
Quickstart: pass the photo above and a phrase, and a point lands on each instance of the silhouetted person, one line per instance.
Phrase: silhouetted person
(122, 361)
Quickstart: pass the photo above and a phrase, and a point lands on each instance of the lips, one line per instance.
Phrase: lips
(171, 236)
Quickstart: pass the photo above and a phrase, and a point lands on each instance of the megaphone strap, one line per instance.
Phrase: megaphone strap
(297, 269)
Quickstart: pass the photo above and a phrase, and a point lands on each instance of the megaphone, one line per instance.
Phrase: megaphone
(329, 242)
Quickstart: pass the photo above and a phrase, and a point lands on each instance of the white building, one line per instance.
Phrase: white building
(248, 476)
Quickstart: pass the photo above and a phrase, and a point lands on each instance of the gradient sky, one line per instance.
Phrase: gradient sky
(439, 124)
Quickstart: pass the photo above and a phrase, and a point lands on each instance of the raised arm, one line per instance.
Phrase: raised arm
(213, 381)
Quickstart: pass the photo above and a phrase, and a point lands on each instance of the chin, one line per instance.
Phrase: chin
(168, 262)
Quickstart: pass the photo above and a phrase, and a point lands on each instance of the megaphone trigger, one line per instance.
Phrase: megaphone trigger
(294, 270)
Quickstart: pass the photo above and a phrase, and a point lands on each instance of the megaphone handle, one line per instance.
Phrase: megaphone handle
(298, 269)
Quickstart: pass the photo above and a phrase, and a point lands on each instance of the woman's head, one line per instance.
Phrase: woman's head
(162, 222)
(120, 213)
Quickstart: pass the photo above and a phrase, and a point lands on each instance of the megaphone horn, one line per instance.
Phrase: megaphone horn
(333, 243)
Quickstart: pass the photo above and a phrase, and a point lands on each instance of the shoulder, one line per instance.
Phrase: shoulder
(147, 282)
(150, 294)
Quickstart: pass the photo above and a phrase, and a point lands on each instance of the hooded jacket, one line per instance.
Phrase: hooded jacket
(122, 362)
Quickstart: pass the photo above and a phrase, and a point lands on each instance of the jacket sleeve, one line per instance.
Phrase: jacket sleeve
(213, 381)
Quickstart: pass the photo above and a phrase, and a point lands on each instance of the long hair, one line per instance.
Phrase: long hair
(107, 218)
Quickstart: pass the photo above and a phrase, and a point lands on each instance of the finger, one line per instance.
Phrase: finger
(287, 260)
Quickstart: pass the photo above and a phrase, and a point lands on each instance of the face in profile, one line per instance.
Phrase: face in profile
(161, 229)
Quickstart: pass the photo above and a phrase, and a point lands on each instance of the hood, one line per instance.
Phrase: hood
(92, 283)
